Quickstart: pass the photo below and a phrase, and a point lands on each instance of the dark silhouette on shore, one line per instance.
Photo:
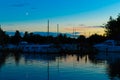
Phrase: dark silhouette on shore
(38, 39)
(4, 38)
(113, 28)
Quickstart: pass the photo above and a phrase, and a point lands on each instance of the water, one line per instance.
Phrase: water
(14, 66)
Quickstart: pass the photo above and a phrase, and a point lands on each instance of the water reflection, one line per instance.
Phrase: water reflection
(62, 66)
(3, 57)
(113, 64)
(17, 57)
(114, 70)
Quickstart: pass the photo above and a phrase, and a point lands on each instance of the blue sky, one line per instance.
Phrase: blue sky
(32, 15)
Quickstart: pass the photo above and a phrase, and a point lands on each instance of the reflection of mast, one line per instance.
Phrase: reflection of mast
(73, 62)
(48, 69)
(58, 64)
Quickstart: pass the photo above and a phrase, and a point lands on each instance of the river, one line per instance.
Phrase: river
(26, 66)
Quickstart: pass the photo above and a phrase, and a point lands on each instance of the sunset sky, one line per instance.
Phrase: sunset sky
(86, 16)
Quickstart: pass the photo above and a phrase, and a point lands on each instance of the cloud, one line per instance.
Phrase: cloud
(85, 26)
(82, 28)
(95, 26)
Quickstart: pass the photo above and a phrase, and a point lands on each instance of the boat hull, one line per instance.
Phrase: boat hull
(109, 49)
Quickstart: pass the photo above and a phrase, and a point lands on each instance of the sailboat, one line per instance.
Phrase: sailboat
(108, 46)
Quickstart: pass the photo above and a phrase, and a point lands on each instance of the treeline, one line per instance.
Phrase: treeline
(38, 39)
(112, 31)
(113, 28)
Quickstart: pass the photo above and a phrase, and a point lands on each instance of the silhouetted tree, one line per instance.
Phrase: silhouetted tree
(4, 38)
(81, 38)
(113, 28)
(95, 38)
(26, 36)
(63, 38)
(31, 38)
(16, 38)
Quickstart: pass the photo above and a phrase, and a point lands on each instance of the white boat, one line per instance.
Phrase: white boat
(43, 48)
(108, 46)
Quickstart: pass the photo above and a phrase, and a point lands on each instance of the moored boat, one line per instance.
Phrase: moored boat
(108, 46)
(39, 48)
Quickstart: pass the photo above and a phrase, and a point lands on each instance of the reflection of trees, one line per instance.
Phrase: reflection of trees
(113, 63)
(17, 57)
(40, 57)
(51, 57)
(92, 58)
(3, 57)
(114, 69)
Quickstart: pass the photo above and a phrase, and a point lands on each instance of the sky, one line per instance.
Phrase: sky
(85, 16)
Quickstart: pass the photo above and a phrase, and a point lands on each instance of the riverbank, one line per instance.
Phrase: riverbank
(51, 49)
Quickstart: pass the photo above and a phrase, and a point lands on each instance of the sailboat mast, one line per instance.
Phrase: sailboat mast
(48, 28)
(57, 29)
(73, 32)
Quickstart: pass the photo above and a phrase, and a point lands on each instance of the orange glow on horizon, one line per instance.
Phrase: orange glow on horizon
(83, 30)
(87, 31)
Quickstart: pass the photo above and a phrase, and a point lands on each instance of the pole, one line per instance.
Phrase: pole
(73, 33)
(57, 29)
(48, 28)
